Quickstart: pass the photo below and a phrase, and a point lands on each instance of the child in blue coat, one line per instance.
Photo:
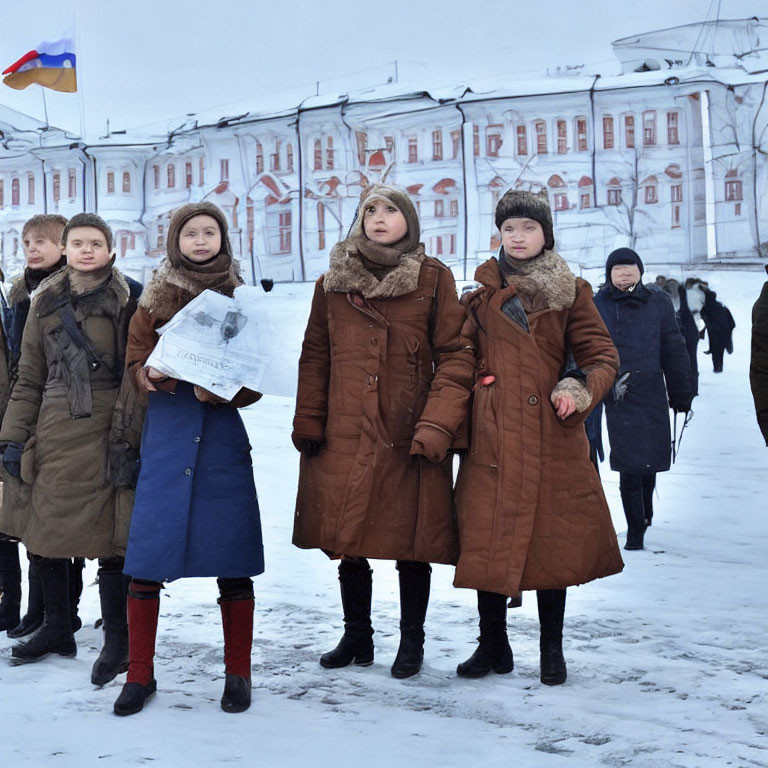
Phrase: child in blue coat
(196, 511)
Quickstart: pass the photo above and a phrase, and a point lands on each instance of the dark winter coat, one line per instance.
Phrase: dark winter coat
(60, 410)
(531, 509)
(196, 512)
(758, 367)
(380, 360)
(719, 322)
(690, 332)
(643, 327)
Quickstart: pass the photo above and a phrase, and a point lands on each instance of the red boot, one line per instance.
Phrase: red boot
(237, 621)
(143, 606)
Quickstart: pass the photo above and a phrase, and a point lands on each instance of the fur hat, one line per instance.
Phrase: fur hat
(622, 256)
(180, 217)
(525, 205)
(88, 220)
(400, 199)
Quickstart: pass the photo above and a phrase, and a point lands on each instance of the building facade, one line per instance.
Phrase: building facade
(669, 157)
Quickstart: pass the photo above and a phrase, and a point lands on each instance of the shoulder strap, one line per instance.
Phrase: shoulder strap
(72, 327)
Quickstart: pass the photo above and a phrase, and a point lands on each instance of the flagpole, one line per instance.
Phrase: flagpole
(79, 76)
(45, 107)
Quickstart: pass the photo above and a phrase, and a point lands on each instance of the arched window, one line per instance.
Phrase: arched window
(614, 191)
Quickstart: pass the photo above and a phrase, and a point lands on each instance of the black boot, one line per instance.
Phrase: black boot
(113, 590)
(634, 511)
(55, 633)
(414, 598)
(35, 603)
(493, 651)
(356, 644)
(551, 612)
(76, 566)
(10, 584)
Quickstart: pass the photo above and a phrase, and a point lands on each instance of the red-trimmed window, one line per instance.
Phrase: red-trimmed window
(608, 141)
(413, 150)
(493, 140)
(455, 144)
(202, 171)
(733, 190)
(649, 128)
(111, 182)
(582, 144)
(476, 140)
(629, 131)
(2, 194)
(15, 192)
(561, 201)
(56, 187)
(127, 182)
(318, 164)
(452, 244)
(362, 146)
(541, 137)
(259, 158)
(274, 160)
(439, 209)
(453, 207)
(187, 175)
(160, 236)
(562, 137)
(585, 200)
(224, 175)
(31, 189)
(651, 194)
(72, 183)
(156, 176)
(329, 163)
(522, 140)
(285, 232)
(676, 193)
(437, 145)
(289, 157)
(171, 177)
(673, 127)
(320, 227)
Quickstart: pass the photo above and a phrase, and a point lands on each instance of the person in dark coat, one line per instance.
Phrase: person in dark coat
(758, 366)
(720, 325)
(655, 374)
(196, 512)
(687, 326)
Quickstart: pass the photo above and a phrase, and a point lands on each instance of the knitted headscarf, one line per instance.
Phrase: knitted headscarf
(385, 255)
(178, 280)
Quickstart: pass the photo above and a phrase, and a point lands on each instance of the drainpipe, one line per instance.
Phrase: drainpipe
(45, 185)
(594, 139)
(464, 184)
(300, 174)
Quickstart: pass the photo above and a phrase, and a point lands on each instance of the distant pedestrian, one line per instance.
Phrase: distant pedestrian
(758, 368)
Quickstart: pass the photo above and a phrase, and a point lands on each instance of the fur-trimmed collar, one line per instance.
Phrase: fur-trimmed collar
(170, 289)
(108, 299)
(347, 274)
(547, 283)
(19, 291)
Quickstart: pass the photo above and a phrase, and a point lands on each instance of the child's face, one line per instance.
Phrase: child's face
(522, 238)
(624, 276)
(39, 251)
(383, 222)
(86, 249)
(200, 238)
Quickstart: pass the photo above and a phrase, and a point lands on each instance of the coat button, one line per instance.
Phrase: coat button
(532, 400)
(187, 471)
(196, 439)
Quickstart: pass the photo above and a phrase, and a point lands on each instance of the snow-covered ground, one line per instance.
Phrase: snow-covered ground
(667, 662)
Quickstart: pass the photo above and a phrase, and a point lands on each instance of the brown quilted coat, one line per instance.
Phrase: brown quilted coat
(373, 371)
(531, 509)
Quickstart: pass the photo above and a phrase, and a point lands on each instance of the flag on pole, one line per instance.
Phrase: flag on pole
(51, 64)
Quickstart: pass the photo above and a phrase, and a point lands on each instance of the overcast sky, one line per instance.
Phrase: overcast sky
(151, 61)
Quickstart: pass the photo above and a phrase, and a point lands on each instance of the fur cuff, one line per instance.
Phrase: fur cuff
(577, 390)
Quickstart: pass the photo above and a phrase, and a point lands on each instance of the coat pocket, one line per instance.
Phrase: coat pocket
(485, 430)
(28, 468)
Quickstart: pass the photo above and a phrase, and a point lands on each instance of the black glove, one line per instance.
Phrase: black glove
(680, 406)
(310, 448)
(12, 459)
(267, 284)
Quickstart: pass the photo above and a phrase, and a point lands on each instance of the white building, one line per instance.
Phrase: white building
(669, 157)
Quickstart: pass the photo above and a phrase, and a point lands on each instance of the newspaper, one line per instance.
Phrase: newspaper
(223, 344)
